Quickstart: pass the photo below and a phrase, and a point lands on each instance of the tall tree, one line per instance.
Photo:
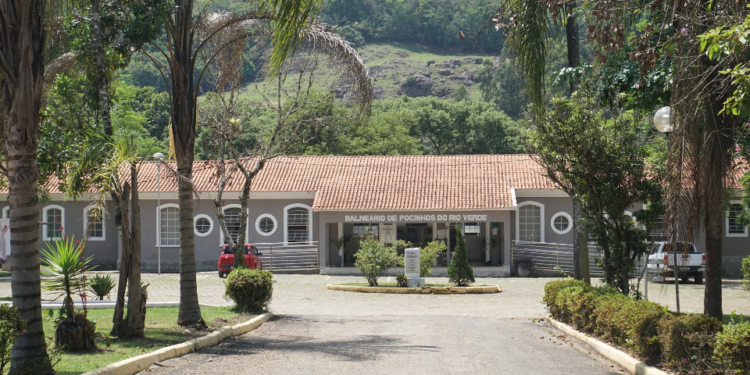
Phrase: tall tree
(22, 42)
(180, 51)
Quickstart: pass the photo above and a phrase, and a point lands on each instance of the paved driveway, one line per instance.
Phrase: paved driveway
(317, 331)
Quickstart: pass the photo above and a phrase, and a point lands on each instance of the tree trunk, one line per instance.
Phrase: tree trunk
(101, 71)
(136, 312)
(571, 37)
(712, 302)
(123, 223)
(22, 42)
(183, 131)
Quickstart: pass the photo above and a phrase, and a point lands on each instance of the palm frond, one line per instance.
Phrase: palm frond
(528, 43)
(292, 17)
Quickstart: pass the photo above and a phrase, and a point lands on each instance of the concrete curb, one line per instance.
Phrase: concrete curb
(418, 290)
(133, 365)
(624, 360)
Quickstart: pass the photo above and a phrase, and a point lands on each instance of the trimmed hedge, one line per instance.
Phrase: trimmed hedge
(251, 290)
(687, 343)
(733, 347)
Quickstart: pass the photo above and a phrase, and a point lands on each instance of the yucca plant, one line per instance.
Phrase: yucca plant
(101, 285)
(65, 262)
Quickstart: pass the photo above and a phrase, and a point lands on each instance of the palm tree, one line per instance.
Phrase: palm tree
(179, 54)
(22, 42)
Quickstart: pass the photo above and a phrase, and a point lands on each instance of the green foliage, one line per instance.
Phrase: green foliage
(427, 256)
(733, 347)
(65, 263)
(732, 40)
(374, 258)
(461, 94)
(401, 280)
(687, 341)
(640, 323)
(746, 272)
(101, 285)
(459, 271)
(11, 325)
(504, 87)
(551, 291)
(600, 160)
(250, 289)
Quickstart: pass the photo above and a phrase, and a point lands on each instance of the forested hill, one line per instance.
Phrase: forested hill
(412, 48)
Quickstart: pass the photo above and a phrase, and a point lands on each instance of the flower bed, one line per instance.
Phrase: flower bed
(685, 343)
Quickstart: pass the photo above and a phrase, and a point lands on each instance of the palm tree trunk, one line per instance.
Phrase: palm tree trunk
(22, 50)
(183, 129)
(101, 72)
(136, 312)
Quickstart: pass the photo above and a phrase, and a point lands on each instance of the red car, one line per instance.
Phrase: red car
(226, 260)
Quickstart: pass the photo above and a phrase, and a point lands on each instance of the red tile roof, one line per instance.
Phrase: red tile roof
(424, 182)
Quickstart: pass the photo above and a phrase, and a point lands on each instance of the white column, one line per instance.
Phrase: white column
(434, 231)
(448, 240)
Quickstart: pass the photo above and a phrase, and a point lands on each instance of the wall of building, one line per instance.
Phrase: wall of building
(104, 252)
(551, 207)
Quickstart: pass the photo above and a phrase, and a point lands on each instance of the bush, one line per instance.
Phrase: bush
(11, 325)
(101, 285)
(251, 290)
(578, 304)
(746, 272)
(687, 341)
(551, 290)
(640, 320)
(607, 325)
(428, 255)
(733, 347)
(374, 258)
(459, 271)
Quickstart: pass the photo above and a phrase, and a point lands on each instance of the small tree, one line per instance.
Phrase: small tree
(460, 272)
(428, 255)
(599, 159)
(374, 258)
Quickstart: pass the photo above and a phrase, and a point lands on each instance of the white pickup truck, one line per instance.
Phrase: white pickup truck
(689, 261)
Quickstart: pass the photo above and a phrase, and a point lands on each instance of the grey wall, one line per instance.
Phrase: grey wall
(551, 207)
(105, 253)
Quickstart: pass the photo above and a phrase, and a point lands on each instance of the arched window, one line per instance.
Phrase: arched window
(733, 225)
(297, 223)
(169, 225)
(232, 219)
(93, 223)
(54, 217)
(529, 222)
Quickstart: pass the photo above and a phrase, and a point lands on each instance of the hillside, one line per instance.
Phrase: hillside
(400, 68)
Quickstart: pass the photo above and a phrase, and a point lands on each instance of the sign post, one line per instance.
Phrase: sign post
(411, 267)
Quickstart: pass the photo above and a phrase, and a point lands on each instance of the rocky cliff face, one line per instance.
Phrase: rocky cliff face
(416, 86)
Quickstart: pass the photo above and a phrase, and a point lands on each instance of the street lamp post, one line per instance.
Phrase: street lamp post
(663, 123)
(158, 156)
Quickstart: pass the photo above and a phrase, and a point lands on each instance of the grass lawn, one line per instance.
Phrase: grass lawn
(161, 330)
(393, 285)
(4, 274)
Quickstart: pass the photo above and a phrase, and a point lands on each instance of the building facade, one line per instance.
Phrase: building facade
(313, 201)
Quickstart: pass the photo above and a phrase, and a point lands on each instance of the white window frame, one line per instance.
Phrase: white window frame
(210, 222)
(726, 222)
(570, 223)
(247, 227)
(86, 223)
(541, 219)
(286, 223)
(158, 222)
(62, 220)
(6, 212)
(266, 216)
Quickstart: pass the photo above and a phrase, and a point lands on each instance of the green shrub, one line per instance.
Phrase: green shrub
(607, 325)
(101, 285)
(374, 258)
(251, 290)
(640, 320)
(746, 272)
(428, 255)
(551, 290)
(733, 347)
(578, 304)
(11, 325)
(687, 341)
(459, 271)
